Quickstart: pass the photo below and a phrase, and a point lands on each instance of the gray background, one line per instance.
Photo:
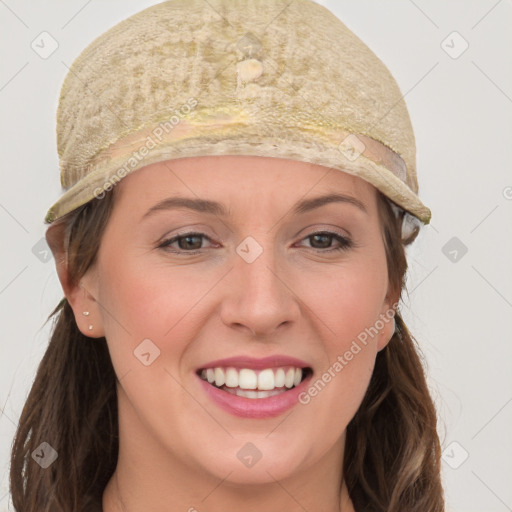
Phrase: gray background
(459, 303)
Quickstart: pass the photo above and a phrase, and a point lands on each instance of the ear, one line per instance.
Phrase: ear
(387, 320)
(81, 296)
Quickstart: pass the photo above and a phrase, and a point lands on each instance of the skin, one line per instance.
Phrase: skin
(178, 449)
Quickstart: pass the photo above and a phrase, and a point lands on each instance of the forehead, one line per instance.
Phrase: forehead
(232, 176)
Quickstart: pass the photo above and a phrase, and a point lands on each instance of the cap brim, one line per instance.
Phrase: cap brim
(230, 137)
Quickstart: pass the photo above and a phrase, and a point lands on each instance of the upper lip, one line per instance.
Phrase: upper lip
(256, 363)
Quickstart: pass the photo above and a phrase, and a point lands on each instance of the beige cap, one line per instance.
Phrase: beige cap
(267, 78)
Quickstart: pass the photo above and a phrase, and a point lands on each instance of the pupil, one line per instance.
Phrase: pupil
(188, 238)
(316, 237)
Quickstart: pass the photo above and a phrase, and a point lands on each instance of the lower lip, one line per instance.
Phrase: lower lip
(255, 407)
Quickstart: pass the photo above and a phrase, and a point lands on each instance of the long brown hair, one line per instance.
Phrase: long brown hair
(392, 452)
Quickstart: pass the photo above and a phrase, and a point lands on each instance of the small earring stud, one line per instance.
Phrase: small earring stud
(86, 313)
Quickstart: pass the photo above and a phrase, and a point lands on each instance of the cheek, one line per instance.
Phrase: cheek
(349, 302)
(151, 302)
(150, 324)
(349, 299)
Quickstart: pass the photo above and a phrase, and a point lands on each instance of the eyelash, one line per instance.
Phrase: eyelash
(346, 243)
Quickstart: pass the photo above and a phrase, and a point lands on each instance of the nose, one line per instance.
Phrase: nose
(259, 297)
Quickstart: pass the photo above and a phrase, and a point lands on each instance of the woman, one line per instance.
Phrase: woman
(241, 185)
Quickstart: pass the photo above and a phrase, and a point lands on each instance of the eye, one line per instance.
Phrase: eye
(187, 242)
(190, 243)
(322, 238)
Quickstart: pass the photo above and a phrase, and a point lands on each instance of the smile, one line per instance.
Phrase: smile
(255, 388)
(254, 384)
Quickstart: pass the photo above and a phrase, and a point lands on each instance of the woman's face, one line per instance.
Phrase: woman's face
(243, 280)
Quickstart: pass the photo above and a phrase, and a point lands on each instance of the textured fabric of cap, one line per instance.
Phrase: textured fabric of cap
(184, 78)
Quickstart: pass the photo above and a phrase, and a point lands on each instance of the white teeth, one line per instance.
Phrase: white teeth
(231, 378)
(268, 379)
(247, 379)
(220, 378)
(254, 394)
(279, 378)
(290, 377)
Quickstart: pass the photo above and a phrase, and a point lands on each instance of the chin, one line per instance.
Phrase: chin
(257, 463)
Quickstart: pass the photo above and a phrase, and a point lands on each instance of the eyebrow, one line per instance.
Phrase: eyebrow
(215, 208)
